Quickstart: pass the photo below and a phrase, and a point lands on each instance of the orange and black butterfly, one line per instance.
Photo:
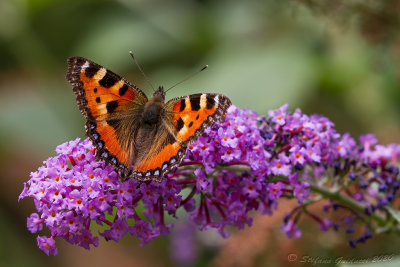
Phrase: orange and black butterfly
(142, 138)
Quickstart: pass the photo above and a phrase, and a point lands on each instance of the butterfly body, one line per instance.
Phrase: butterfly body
(153, 109)
(141, 138)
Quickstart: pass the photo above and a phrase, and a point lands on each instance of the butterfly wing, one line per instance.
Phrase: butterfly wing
(185, 120)
(192, 114)
(110, 104)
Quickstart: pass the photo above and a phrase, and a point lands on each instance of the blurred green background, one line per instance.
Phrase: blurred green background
(340, 59)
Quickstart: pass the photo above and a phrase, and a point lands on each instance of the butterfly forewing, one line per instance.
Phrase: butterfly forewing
(191, 115)
(109, 103)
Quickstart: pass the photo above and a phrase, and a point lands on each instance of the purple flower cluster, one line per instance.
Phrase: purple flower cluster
(72, 190)
(243, 164)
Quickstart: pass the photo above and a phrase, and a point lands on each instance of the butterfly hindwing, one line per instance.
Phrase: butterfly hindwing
(109, 104)
(157, 152)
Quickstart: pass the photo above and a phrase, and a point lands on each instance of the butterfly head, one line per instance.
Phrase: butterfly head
(160, 93)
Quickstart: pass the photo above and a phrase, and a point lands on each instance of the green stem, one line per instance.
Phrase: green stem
(346, 201)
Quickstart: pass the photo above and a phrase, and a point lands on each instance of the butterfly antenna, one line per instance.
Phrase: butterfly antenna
(187, 78)
(144, 75)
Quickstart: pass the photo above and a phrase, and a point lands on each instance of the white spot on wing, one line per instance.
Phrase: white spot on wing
(203, 101)
(100, 74)
(216, 100)
(84, 66)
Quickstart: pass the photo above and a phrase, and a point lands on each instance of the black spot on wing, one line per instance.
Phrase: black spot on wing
(170, 139)
(113, 123)
(98, 100)
(183, 105)
(195, 102)
(111, 106)
(91, 70)
(210, 102)
(109, 79)
(191, 124)
(95, 90)
(123, 90)
(179, 124)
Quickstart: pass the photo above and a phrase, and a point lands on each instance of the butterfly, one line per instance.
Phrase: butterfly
(141, 138)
